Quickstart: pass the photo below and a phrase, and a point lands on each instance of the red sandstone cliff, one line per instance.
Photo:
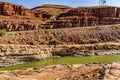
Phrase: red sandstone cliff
(88, 16)
(9, 9)
(16, 18)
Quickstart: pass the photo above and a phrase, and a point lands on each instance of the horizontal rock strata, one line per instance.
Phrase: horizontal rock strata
(88, 16)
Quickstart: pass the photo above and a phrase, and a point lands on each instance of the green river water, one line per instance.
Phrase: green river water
(68, 60)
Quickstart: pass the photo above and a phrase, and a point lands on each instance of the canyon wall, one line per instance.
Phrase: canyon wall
(88, 16)
(9, 9)
(55, 16)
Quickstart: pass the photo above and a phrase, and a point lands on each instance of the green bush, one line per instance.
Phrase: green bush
(54, 42)
(3, 32)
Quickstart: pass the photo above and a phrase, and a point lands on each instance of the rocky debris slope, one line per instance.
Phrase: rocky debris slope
(63, 36)
(66, 72)
(88, 16)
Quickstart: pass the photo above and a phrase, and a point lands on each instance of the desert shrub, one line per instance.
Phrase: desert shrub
(20, 33)
(94, 41)
(33, 42)
(83, 41)
(54, 42)
(3, 32)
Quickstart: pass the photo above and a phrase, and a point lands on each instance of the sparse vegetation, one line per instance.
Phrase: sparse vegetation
(54, 42)
(3, 32)
(83, 41)
(20, 33)
(33, 42)
(92, 41)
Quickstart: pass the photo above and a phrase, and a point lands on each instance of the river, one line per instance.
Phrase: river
(66, 60)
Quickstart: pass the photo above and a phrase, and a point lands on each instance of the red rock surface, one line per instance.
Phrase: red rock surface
(9, 9)
(16, 18)
(55, 16)
(88, 16)
(50, 11)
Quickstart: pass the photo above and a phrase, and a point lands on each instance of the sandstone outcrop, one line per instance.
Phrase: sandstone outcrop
(18, 18)
(9, 9)
(66, 72)
(56, 16)
(88, 16)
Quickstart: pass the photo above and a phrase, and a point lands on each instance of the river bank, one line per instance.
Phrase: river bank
(66, 72)
(18, 54)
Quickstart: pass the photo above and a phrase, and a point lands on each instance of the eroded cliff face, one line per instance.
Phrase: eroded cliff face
(9, 9)
(88, 16)
(55, 16)
(16, 18)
